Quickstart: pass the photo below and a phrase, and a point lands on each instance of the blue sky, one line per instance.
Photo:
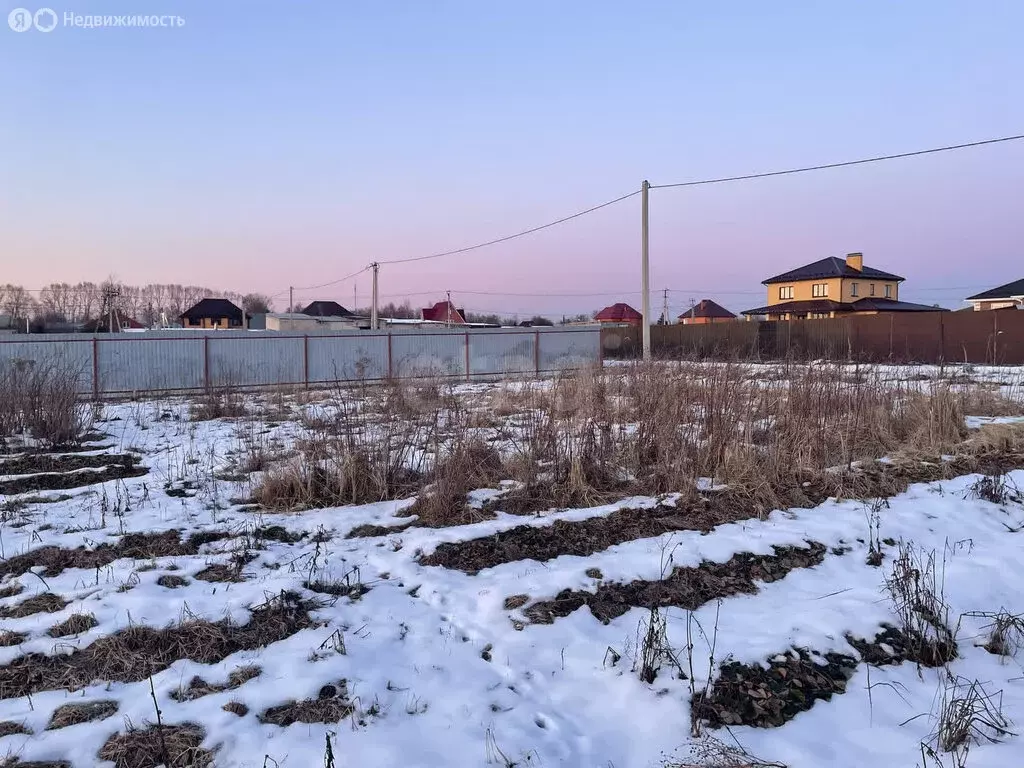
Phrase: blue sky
(266, 145)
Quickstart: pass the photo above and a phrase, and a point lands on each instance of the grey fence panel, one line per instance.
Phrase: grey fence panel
(347, 358)
(560, 350)
(174, 360)
(148, 365)
(256, 360)
(73, 356)
(498, 353)
(428, 354)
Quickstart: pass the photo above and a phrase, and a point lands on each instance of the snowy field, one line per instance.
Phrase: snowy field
(170, 608)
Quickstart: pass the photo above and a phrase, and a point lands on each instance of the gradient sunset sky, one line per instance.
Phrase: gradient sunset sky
(264, 145)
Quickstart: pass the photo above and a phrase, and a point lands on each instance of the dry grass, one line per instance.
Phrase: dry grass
(170, 746)
(236, 708)
(172, 581)
(75, 624)
(8, 638)
(15, 762)
(135, 653)
(326, 710)
(11, 590)
(197, 687)
(47, 602)
(85, 712)
(41, 399)
(10, 728)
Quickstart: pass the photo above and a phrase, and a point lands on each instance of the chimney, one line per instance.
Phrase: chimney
(855, 261)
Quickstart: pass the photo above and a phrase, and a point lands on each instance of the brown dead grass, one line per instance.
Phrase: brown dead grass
(8, 638)
(11, 590)
(135, 653)
(307, 711)
(15, 762)
(197, 687)
(11, 728)
(688, 588)
(47, 602)
(75, 624)
(135, 546)
(84, 712)
(236, 708)
(171, 746)
(172, 581)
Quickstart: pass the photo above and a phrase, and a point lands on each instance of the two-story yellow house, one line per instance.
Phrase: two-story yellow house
(833, 287)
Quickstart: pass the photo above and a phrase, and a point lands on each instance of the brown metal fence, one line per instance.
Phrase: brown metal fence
(995, 337)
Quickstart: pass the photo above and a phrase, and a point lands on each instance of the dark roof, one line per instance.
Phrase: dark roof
(618, 313)
(213, 308)
(326, 309)
(444, 312)
(827, 305)
(707, 308)
(1016, 288)
(830, 267)
(101, 324)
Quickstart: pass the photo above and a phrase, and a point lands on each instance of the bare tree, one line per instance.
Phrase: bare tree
(255, 304)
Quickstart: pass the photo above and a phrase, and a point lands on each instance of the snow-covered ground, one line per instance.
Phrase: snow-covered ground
(440, 672)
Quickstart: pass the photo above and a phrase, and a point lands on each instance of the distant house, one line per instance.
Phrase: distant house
(619, 314)
(120, 322)
(834, 287)
(1006, 296)
(214, 313)
(444, 312)
(326, 309)
(706, 311)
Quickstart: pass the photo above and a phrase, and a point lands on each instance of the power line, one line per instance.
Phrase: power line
(844, 164)
(506, 238)
(332, 282)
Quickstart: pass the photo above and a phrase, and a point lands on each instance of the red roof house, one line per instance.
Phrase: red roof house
(444, 312)
(619, 313)
(706, 311)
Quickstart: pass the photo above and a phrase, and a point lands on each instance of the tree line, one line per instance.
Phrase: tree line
(81, 302)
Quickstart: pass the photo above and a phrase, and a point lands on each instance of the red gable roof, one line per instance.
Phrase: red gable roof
(707, 308)
(618, 313)
(444, 312)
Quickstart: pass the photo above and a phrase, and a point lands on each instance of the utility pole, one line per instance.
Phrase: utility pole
(645, 270)
(291, 298)
(448, 322)
(664, 311)
(373, 306)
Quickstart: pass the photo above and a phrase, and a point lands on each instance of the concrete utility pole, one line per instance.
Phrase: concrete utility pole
(291, 299)
(664, 311)
(645, 270)
(373, 306)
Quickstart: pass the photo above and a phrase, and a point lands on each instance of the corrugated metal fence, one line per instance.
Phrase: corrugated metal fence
(171, 361)
(995, 337)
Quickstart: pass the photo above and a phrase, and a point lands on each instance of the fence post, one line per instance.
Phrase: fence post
(391, 372)
(305, 360)
(536, 352)
(206, 361)
(95, 368)
(467, 355)
(939, 358)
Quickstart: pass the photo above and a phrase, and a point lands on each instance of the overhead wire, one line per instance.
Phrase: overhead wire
(844, 164)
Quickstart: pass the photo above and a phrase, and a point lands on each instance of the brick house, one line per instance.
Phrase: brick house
(214, 313)
(705, 312)
(619, 314)
(1006, 296)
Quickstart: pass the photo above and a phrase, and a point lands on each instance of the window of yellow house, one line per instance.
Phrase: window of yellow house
(872, 289)
(819, 290)
(888, 291)
(853, 289)
(786, 292)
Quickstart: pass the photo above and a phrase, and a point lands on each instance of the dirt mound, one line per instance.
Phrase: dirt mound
(584, 537)
(137, 652)
(170, 746)
(46, 472)
(687, 588)
(767, 698)
(86, 712)
(895, 646)
(44, 603)
(136, 546)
